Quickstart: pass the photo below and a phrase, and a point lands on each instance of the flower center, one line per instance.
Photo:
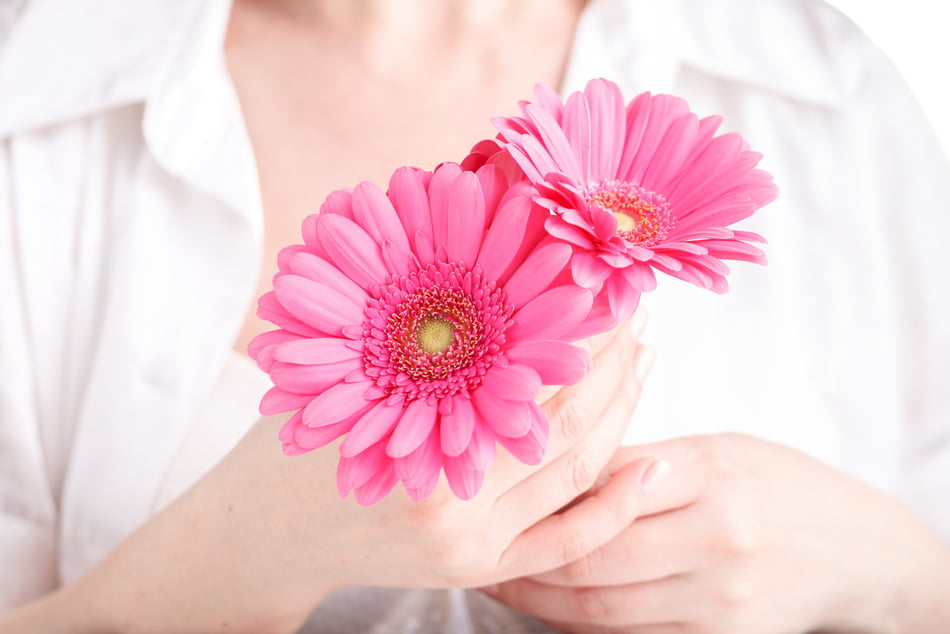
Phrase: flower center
(643, 217)
(435, 335)
(434, 332)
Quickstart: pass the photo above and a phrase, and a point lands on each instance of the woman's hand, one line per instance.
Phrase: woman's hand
(260, 540)
(748, 537)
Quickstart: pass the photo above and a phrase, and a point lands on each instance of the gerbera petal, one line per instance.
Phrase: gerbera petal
(319, 270)
(675, 147)
(607, 128)
(589, 270)
(530, 447)
(373, 427)
(318, 351)
(555, 142)
(481, 449)
(378, 487)
(356, 471)
(464, 482)
(314, 437)
(338, 202)
(506, 418)
(513, 383)
(269, 309)
(504, 237)
(411, 202)
(663, 110)
(351, 249)
(316, 304)
(537, 272)
(556, 362)
(441, 202)
(623, 296)
(419, 468)
(455, 428)
(335, 404)
(270, 338)
(277, 400)
(561, 230)
(373, 211)
(552, 313)
(466, 217)
(412, 429)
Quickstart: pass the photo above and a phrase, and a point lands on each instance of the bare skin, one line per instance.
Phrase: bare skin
(334, 93)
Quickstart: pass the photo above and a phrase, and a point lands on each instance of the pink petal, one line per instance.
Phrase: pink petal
(412, 429)
(623, 296)
(481, 449)
(411, 202)
(506, 418)
(312, 379)
(377, 488)
(269, 339)
(556, 362)
(335, 404)
(464, 482)
(607, 128)
(311, 438)
(276, 401)
(537, 273)
(493, 183)
(564, 156)
(373, 211)
(531, 447)
(551, 314)
(317, 305)
(455, 429)
(504, 237)
(441, 201)
(419, 468)
(269, 309)
(512, 383)
(352, 250)
(357, 471)
(466, 219)
(339, 202)
(319, 351)
(373, 427)
(319, 270)
(577, 128)
(561, 230)
(588, 270)
(671, 155)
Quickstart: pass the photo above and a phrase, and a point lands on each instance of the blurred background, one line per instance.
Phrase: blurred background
(914, 35)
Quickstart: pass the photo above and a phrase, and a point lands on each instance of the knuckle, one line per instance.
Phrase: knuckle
(582, 569)
(570, 419)
(574, 546)
(582, 474)
(591, 606)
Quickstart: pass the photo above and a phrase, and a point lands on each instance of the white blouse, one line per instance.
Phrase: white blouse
(130, 229)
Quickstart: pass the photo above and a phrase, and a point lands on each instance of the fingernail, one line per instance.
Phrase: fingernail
(490, 591)
(654, 476)
(643, 362)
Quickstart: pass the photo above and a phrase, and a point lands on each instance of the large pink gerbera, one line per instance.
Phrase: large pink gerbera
(416, 323)
(636, 187)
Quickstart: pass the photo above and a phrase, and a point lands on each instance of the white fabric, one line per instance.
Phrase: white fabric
(130, 226)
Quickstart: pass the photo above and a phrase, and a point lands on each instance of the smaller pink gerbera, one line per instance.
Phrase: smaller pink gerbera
(636, 187)
(416, 323)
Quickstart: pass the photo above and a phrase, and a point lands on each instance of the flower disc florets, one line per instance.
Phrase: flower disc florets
(434, 332)
(643, 217)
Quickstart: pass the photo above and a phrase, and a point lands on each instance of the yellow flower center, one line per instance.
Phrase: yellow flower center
(435, 335)
(643, 217)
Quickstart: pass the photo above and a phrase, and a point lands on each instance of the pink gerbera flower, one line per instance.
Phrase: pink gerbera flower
(636, 187)
(416, 323)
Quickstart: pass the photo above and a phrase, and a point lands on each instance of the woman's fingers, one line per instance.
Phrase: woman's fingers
(580, 452)
(572, 534)
(645, 605)
(649, 548)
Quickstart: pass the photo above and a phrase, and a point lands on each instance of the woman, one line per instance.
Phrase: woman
(187, 140)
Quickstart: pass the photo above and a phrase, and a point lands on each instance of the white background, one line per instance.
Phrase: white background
(915, 34)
